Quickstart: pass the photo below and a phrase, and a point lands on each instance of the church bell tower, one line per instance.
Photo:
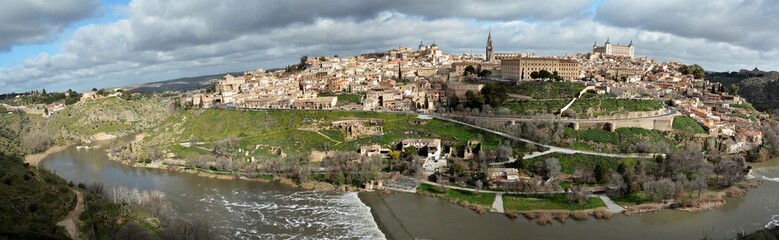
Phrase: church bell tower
(490, 58)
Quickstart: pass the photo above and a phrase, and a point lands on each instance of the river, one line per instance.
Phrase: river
(242, 209)
(253, 210)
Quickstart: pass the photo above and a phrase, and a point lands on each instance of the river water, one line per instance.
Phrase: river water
(253, 210)
(241, 209)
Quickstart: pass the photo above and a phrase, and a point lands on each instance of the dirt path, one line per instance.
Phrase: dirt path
(323, 135)
(34, 159)
(71, 221)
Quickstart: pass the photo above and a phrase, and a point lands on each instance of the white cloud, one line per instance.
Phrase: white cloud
(160, 40)
(39, 21)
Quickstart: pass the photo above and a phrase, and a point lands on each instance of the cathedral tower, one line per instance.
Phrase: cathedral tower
(490, 58)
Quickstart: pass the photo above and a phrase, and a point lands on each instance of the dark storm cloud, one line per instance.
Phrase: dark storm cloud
(38, 21)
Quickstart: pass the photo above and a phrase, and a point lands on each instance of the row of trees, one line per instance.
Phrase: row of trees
(491, 94)
(470, 70)
(544, 74)
(105, 216)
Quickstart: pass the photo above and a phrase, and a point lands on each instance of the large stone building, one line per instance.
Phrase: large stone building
(520, 68)
(614, 49)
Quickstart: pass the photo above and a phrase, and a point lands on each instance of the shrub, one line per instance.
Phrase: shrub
(579, 215)
(602, 213)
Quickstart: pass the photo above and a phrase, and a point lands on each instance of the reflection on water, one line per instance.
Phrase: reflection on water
(243, 209)
(250, 210)
(406, 216)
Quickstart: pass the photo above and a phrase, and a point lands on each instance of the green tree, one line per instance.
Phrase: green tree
(544, 74)
(494, 94)
(469, 70)
(409, 153)
(485, 73)
(734, 89)
(535, 75)
(600, 172)
(453, 102)
(456, 169)
(473, 100)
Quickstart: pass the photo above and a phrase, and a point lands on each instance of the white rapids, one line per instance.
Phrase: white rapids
(288, 215)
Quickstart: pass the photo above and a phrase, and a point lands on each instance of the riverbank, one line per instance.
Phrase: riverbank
(35, 159)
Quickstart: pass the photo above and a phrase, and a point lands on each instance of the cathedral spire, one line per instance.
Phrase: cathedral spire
(489, 56)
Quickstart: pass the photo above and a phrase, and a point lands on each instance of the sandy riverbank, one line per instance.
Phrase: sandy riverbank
(34, 159)
(103, 136)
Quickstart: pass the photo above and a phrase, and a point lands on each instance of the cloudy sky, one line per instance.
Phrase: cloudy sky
(81, 44)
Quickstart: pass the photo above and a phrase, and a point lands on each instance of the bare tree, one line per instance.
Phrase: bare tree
(95, 188)
(732, 171)
(617, 182)
(660, 189)
(552, 167)
(192, 229)
(36, 141)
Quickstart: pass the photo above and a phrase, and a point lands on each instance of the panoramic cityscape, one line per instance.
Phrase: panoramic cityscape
(148, 119)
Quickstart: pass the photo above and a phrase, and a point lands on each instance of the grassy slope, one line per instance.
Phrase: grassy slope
(106, 115)
(345, 98)
(570, 162)
(547, 90)
(687, 124)
(482, 199)
(31, 201)
(620, 139)
(282, 129)
(554, 202)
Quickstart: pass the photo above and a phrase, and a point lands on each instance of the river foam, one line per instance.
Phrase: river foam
(770, 179)
(298, 215)
(773, 223)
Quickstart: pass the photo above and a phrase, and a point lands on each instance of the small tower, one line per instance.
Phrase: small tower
(490, 58)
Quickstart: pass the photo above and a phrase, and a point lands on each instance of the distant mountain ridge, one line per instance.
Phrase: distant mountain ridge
(179, 84)
(758, 87)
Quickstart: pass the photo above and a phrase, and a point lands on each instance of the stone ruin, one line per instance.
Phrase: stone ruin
(357, 128)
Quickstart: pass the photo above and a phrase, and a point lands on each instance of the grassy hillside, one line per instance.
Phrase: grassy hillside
(296, 131)
(687, 124)
(758, 90)
(109, 115)
(31, 201)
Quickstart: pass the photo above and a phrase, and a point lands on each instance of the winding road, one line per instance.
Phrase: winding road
(552, 149)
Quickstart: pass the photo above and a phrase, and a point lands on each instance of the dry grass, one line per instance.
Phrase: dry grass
(580, 216)
(530, 215)
(642, 208)
(512, 215)
(748, 184)
(545, 218)
(602, 213)
(561, 216)
(735, 192)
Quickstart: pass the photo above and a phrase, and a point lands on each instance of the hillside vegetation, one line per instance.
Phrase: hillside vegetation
(31, 201)
(299, 131)
(760, 91)
(108, 115)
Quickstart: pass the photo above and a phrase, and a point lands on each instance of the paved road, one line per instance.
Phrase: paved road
(613, 207)
(445, 117)
(668, 112)
(550, 147)
(497, 205)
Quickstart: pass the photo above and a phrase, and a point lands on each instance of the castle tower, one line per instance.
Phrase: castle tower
(490, 58)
